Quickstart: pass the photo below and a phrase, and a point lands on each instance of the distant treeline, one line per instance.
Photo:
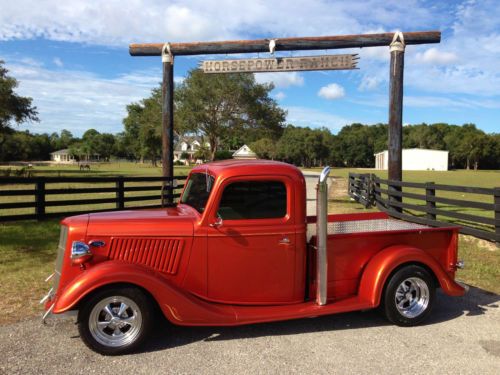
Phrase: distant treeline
(353, 146)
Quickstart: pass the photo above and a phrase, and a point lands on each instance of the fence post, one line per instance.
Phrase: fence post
(497, 214)
(430, 191)
(120, 193)
(40, 198)
(349, 182)
(394, 198)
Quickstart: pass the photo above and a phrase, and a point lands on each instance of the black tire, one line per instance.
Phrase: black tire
(409, 296)
(115, 320)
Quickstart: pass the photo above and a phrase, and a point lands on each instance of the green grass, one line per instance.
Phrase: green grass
(27, 256)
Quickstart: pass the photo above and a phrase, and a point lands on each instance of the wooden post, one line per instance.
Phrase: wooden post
(120, 193)
(167, 123)
(396, 114)
(430, 192)
(40, 199)
(497, 215)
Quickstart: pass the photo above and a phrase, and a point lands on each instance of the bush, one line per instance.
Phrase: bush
(223, 155)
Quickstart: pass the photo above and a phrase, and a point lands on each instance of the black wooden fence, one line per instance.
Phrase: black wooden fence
(429, 207)
(43, 197)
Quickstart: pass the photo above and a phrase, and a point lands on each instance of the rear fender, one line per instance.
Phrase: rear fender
(178, 306)
(381, 266)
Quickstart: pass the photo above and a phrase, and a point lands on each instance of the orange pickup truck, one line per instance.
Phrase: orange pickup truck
(237, 249)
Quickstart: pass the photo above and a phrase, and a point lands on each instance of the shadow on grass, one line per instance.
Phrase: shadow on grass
(475, 302)
(36, 240)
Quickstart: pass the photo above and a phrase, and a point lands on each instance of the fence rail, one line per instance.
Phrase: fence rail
(45, 193)
(428, 206)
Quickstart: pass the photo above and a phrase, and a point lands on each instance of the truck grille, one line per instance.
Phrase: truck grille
(63, 237)
(161, 254)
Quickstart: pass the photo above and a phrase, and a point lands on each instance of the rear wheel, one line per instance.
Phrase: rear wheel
(409, 296)
(115, 321)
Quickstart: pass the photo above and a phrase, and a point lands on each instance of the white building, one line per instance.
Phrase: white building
(416, 159)
(62, 156)
(187, 147)
(244, 152)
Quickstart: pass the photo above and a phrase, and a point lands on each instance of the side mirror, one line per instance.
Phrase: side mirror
(217, 223)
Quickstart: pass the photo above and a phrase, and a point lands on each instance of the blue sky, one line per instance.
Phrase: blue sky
(73, 60)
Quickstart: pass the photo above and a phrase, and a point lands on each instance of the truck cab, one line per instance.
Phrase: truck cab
(239, 248)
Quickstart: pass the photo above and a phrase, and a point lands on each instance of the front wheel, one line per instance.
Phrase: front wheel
(409, 296)
(115, 320)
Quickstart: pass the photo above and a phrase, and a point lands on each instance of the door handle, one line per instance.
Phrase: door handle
(284, 241)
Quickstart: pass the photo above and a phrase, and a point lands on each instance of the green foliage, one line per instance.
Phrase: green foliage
(13, 108)
(305, 146)
(232, 108)
(223, 155)
(265, 148)
(142, 136)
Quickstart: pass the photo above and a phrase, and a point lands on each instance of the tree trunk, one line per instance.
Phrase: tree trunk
(213, 148)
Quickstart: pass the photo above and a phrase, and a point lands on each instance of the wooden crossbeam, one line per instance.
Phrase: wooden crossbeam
(284, 44)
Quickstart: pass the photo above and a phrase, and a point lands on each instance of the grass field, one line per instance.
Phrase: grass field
(27, 248)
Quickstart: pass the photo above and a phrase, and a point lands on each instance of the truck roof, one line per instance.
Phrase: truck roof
(232, 167)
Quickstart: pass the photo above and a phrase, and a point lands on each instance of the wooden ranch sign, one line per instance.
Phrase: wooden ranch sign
(281, 64)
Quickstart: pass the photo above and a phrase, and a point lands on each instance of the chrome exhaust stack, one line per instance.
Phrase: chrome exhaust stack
(321, 236)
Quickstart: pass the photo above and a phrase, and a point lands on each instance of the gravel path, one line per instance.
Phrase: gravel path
(462, 337)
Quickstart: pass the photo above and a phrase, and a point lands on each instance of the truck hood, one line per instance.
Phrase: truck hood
(172, 221)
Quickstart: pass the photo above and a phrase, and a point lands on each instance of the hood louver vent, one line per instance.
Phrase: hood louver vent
(163, 255)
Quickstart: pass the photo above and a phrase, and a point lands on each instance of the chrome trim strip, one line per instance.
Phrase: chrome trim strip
(47, 296)
(47, 313)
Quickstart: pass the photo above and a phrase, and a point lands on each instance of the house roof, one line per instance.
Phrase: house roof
(244, 151)
(64, 151)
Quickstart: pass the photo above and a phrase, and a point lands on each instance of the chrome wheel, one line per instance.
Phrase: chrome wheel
(412, 297)
(115, 321)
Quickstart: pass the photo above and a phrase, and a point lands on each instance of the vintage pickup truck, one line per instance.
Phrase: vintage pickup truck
(239, 249)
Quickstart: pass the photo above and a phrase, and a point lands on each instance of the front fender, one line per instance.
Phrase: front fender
(385, 262)
(178, 306)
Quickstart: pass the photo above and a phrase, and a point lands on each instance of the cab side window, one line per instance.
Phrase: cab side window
(253, 200)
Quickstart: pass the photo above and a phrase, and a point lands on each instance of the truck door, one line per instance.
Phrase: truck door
(251, 242)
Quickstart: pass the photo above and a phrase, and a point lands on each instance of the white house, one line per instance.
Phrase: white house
(62, 156)
(416, 159)
(187, 147)
(244, 152)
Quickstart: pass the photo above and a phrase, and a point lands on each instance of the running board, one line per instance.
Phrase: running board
(260, 314)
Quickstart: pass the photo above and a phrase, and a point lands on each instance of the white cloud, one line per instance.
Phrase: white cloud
(303, 116)
(281, 80)
(77, 100)
(112, 23)
(179, 79)
(435, 56)
(369, 83)
(58, 62)
(331, 92)
(280, 95)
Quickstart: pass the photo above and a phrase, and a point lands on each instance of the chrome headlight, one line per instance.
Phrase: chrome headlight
(80, 252)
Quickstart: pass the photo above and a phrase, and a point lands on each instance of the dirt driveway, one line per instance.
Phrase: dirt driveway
(462, 337)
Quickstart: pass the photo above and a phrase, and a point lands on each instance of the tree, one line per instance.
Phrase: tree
(13, 108)
(143, 127)
(227, 105)
(265, 148)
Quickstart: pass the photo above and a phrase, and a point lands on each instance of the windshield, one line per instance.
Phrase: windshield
(197, 191)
